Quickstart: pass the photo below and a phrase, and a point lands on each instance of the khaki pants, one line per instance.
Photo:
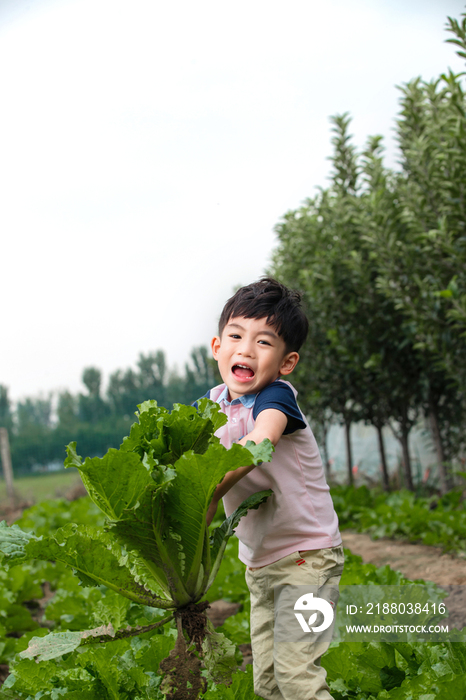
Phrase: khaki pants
(289, 670)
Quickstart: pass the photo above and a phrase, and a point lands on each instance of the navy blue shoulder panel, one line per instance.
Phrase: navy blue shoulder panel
(280, 396)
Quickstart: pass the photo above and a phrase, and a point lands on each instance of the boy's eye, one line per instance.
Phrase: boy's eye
(235, 336)
(264, 342)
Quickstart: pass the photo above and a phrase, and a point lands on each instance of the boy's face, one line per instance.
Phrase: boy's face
(251, 355)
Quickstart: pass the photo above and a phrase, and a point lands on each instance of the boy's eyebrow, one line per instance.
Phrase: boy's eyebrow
(265, 332)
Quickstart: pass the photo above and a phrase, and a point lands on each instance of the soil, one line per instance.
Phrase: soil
(4, 671)
(417, 561)
(413, 560)
(182, 669)
(193, 621)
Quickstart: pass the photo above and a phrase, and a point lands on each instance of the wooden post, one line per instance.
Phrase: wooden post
(6, 465)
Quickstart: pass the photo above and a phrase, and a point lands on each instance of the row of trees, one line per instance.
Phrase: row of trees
(381, 258)
(39, 428)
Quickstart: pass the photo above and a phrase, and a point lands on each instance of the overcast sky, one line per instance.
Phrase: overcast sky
(148, 149)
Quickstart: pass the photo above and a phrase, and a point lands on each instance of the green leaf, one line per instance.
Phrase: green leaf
(111, 610)
(189, 429)
(24, 584)
(221, 534)
(145, 533)
(391, 677)
(19, 619)
(219, 655)
(13, 543)
(227, 528)
(73, 459)
(146, 406)
(114, 482)
(242, 688)
(197, 478)
(59, 643)
(110, 665)
(211, 410)
(31, 676)
(166, 436)
(87, 550)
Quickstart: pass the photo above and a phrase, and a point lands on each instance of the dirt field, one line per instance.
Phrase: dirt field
(417, 561)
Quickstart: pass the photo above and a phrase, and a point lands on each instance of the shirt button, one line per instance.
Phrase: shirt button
(233, 420)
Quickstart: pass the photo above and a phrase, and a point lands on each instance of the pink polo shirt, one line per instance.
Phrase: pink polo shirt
(300, 514)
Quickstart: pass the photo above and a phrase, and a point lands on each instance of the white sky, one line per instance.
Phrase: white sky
(148, 148)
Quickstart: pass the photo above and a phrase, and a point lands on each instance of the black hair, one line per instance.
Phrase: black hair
(280, 306)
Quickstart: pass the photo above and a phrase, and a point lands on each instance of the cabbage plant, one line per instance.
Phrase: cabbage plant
(156, 548)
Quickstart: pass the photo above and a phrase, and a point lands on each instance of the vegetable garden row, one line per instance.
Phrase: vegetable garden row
(436, 520)
(116, 642)
(128, 668)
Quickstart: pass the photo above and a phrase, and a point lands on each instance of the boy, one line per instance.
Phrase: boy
(293, 538)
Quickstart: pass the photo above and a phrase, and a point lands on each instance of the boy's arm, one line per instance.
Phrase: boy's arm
(270, 423)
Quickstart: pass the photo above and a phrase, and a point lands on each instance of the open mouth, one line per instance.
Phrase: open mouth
(242, 372)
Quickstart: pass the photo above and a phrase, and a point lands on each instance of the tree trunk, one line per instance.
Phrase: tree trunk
(444, 476)
(6, 464)
(383, 459)
(325, 451)
(406, 458)
(349, 456)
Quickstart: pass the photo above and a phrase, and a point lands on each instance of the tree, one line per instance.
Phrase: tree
(361, 361)
(201, 373)
(421, 251)
(33, 412)
(67, 410)
(123, 392)
(91, 407)
(152, 376)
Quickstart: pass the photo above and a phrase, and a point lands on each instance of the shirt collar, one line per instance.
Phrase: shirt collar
(247, 400)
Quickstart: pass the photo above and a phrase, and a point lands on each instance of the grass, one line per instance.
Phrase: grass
(42, 486)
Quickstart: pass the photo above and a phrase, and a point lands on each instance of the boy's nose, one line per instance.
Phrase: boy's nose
(246, 349)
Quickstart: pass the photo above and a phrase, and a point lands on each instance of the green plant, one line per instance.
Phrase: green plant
(436, 520)
(155, 549)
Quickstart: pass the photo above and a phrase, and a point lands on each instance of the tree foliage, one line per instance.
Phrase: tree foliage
(40, 427)
(381, 259)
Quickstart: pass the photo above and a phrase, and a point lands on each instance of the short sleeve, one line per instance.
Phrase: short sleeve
(280, 396)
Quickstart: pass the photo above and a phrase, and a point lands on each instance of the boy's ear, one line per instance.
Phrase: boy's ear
(289, 363)
(215, 345)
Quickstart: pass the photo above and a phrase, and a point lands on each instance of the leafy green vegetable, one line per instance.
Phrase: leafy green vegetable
(155, 548)
(219, 655)
(396, 671)
(435, 520)
(242, 688)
